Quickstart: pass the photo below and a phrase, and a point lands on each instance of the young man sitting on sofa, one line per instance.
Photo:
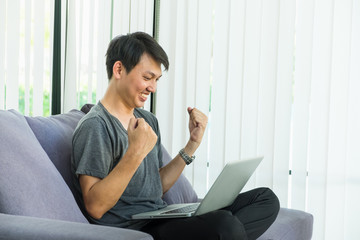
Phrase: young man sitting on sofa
(117, 158)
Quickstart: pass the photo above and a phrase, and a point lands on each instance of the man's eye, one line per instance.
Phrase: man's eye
(147, 78)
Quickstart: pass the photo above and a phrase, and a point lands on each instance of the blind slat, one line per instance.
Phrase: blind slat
(50, 9)
(179, 108)
(28, 17)
(12, 59)
(285, 65)
(80, 28)
(135, 19)
(218, 89)
(64, 8)
(39, 63)
(90, 67)
(70, 61)
(2, 52)
(141, 16)
(149, 16)
(337, 156)
(303, 53)
(319, 113)
(352, 208)
(267, 91)
(165, 90)
(147, 11)
(232, 128)
(121, 21)
(190, 74)
(202, 92)
(249, 122)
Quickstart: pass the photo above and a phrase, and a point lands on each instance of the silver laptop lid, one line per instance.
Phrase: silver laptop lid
(228, 185)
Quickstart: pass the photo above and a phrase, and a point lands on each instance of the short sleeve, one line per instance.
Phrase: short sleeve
(160, 154)
(92, 149)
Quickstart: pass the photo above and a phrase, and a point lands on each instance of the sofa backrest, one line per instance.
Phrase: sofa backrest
(54, 134)
(30, 183)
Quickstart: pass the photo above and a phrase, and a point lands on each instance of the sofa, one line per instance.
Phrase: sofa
(36, 192)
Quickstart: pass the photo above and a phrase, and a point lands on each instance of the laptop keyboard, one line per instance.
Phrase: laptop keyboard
(185, 209)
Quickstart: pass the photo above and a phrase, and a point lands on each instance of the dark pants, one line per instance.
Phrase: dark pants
(248, 217)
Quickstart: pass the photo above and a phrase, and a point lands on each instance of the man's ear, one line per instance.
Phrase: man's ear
(118, 67)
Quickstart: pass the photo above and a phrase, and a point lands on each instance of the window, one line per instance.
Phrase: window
(26, 56)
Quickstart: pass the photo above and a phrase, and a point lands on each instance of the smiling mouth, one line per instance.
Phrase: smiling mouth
(144, 96)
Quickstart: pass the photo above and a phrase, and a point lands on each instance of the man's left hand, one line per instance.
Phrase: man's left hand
(197, 124)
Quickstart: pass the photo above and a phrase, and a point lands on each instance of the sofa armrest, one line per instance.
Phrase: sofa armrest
(30, 228)
(290, 224)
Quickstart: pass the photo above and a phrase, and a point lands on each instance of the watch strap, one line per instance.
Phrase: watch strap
(186, 157)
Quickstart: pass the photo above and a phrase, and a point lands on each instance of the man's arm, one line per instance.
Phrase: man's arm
(100, 195)
(171, 172)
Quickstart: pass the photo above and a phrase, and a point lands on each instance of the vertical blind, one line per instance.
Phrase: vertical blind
(90, 25)
(278, 78)
(26, 40)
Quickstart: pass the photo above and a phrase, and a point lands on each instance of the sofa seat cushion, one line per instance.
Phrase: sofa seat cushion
(32, 228)
(30, 183)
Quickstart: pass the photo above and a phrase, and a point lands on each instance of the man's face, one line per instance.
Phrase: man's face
(137, 85)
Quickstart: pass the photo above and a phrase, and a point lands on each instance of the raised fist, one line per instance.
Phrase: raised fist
(142, 138)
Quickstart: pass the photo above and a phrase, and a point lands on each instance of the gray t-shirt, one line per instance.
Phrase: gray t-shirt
(99, 143)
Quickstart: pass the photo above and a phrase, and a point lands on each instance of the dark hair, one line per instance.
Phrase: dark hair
(129, 48)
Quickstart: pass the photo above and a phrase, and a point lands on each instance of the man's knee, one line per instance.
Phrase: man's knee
(271, 200)
(225, 226)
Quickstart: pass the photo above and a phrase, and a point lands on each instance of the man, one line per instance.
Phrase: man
(117, 158)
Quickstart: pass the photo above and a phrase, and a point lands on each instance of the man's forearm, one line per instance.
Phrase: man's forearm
(172, 171)
(102, 194)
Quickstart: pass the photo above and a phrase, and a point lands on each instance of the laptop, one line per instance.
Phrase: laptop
(222, 193)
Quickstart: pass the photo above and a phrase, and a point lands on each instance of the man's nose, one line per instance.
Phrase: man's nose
(152, 86)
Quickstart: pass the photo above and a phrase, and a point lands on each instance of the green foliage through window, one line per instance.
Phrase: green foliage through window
(22, 104)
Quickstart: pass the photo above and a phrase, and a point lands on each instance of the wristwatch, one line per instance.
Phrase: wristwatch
(186, 157)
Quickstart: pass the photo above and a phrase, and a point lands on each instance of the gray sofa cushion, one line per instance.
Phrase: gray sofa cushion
(181, 191)
(290, 224)
(55, 135)
(30, 183)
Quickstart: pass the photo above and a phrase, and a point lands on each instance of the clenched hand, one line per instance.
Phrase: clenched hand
(197, 124)
(142, 138)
